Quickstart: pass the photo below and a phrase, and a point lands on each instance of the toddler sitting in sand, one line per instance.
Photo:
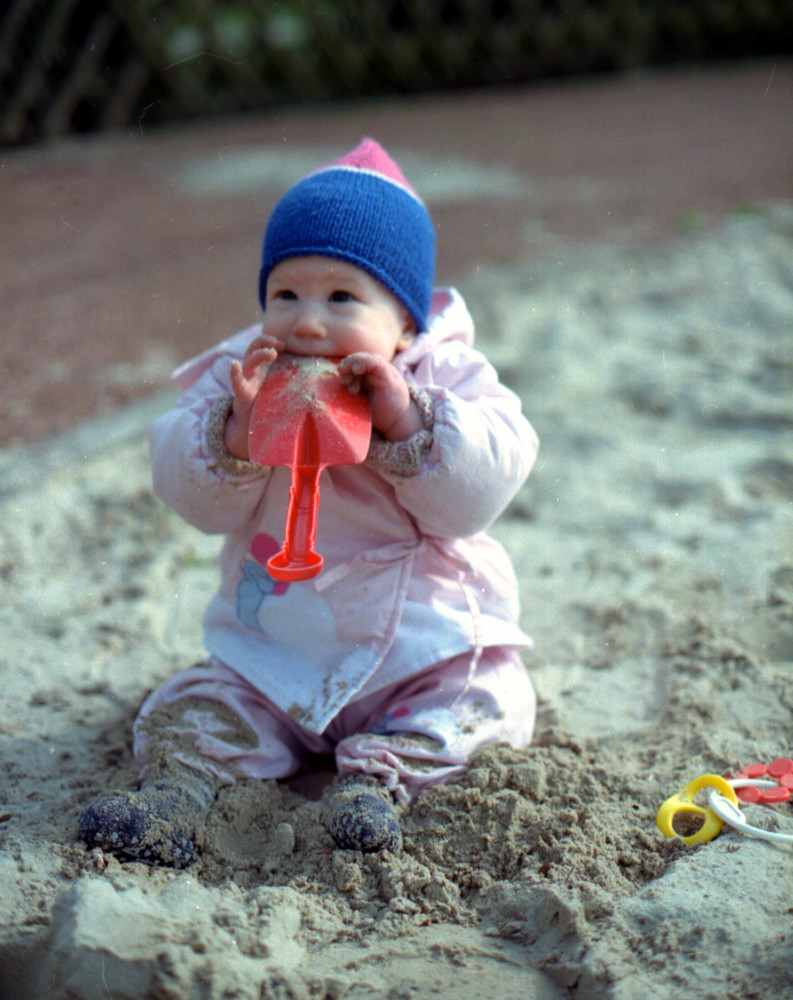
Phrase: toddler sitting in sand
(401, 658)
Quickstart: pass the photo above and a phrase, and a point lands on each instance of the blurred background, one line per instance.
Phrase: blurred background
(78, 66)
(143, 144)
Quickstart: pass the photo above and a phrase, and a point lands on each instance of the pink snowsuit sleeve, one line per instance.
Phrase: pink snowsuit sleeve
(482, 446)
(185, 474)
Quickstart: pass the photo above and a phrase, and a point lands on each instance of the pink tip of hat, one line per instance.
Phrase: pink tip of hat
(370, 156)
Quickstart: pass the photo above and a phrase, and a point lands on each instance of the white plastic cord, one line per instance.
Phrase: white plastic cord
(729, 813)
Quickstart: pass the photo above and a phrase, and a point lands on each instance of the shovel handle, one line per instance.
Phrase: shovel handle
(297, 559)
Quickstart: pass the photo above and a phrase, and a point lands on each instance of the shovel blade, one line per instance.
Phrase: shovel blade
(305, 419)
(303, 415)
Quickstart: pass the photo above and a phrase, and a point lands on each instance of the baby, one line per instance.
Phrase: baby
(401, 658)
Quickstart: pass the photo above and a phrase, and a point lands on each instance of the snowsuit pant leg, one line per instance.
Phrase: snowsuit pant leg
(412, 735)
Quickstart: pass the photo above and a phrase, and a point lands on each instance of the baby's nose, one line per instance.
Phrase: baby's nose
(309, 324)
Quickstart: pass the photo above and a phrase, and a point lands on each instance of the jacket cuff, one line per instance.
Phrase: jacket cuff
(220, 459)
(405, 458)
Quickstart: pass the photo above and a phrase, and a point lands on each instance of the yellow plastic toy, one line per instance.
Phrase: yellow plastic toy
(683, 802)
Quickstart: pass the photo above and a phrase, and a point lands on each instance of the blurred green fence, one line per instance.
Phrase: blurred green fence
(73, 65)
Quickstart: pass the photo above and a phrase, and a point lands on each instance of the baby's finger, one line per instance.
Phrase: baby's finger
(259, 344)
(357, 364)
(263, 341)
(254, 360)
(240, 386)
(352, 383)
(267, 340)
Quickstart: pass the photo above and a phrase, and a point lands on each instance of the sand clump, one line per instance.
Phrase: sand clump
(653, 547)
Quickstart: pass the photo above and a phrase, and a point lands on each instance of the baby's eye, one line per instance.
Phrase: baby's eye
(341, 296)
(286, 294)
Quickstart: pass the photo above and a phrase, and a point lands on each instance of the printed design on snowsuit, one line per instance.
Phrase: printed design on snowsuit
(434, 722)
(384, 725)
(256, 584)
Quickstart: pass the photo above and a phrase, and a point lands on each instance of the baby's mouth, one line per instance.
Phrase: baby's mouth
(311, 354)
(289, 359)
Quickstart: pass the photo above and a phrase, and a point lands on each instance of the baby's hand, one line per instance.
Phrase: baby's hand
(394, 413)
(247, 379)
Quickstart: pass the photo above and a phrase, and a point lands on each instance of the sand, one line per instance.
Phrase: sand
(654, 548)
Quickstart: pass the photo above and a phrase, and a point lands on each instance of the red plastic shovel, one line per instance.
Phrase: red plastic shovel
(305, 419)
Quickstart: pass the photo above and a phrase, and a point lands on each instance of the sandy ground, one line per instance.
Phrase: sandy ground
(654, 548)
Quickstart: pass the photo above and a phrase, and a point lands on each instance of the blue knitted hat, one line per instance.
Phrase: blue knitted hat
(362, 210)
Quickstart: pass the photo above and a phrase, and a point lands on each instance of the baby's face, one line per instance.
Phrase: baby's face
(324, 307)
